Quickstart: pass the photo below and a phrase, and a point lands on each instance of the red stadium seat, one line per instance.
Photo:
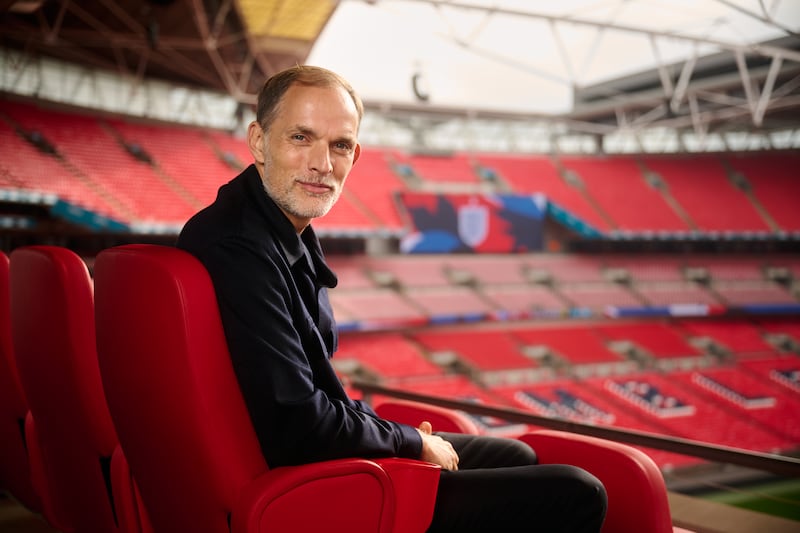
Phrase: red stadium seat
(637, 495)
(71, 436)
(413, 414)
(15, 475)
(185, 429)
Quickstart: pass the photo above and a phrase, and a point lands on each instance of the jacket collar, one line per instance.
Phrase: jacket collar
(304, 246)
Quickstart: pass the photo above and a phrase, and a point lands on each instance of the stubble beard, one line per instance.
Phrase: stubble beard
(293, 199)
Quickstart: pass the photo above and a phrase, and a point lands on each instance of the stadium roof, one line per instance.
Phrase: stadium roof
(596, 65)
(228, 45)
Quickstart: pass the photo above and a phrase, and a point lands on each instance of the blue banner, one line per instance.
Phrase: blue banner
(473, 223)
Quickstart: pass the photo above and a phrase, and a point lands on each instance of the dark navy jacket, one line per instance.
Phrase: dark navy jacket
(271, 286)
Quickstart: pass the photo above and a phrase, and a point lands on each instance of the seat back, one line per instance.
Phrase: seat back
(15, 475)
(170, 386)
(637, 494)
(414, 413)
(52, 320)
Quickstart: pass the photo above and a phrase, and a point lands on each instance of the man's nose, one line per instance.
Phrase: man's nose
(320, 159)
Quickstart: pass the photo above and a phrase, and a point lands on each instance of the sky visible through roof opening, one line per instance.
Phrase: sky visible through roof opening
(511, 62)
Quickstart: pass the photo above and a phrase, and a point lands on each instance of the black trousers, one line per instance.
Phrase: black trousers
(500, 488)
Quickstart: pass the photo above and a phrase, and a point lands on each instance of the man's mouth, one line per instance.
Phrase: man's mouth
(314, 187)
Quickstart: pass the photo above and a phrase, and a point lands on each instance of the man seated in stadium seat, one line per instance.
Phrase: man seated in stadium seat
(271, 281)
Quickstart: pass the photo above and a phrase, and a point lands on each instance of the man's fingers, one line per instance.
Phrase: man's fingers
(426, 427)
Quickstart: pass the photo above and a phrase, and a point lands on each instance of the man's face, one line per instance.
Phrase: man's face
(308, 151)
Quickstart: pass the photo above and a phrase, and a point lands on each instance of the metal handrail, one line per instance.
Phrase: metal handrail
(776, 464)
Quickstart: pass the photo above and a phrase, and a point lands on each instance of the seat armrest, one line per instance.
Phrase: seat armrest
(355, 495)
(413, 413)
(415, 485)
(637, 495)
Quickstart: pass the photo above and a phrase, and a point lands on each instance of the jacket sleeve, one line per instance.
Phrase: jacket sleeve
(295, 419)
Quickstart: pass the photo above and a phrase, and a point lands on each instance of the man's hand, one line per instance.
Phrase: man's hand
(437, 450)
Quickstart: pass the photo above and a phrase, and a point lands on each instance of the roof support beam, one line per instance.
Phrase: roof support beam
(663, 73)
(766, 91)
(763, 50)
(683, 84)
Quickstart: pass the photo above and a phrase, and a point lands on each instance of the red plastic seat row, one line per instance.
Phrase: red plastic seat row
(188, 438)
(162, 374)
(15, 475)
(637, 495)
(78, 471)
(185, 429)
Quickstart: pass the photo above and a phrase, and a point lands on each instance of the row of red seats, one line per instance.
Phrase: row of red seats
(438, 288)
(697, 192)
(133, 420)
(518, 346)
(497, 359)
(437, 270)
(381, 307)
(61, 455)
(682, 192)
(96, 171)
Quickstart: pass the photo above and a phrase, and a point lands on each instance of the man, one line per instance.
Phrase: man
(271, 281)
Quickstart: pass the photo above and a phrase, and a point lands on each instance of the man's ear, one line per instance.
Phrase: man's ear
(255, 141)
(356, 153)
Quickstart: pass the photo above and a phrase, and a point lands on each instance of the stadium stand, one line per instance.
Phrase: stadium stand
(451, 386)
(664, 299)
(386, 356)
(594, 298)
(612, 179)
(351, 271)
(519, 301)
(783, 370)
(736, 377)
(787, 328)
(748, 397)
(188, 163)
(576, 347)
(375, 308)
(488, 269)
(736, 337)
(374, 184)
(446, 168)
(754, 293)
(680, 411)
(767, 178)
(408, 272)
(703, 188)
(645, 268)
(573, 400)
(656, 339)
(232, 147)
(443, 305)
(485, 351)
(732, 380)
(92, 150)
(537, 174)
(27, 168)
(566, 268)
(348, 217)
(660, 294)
